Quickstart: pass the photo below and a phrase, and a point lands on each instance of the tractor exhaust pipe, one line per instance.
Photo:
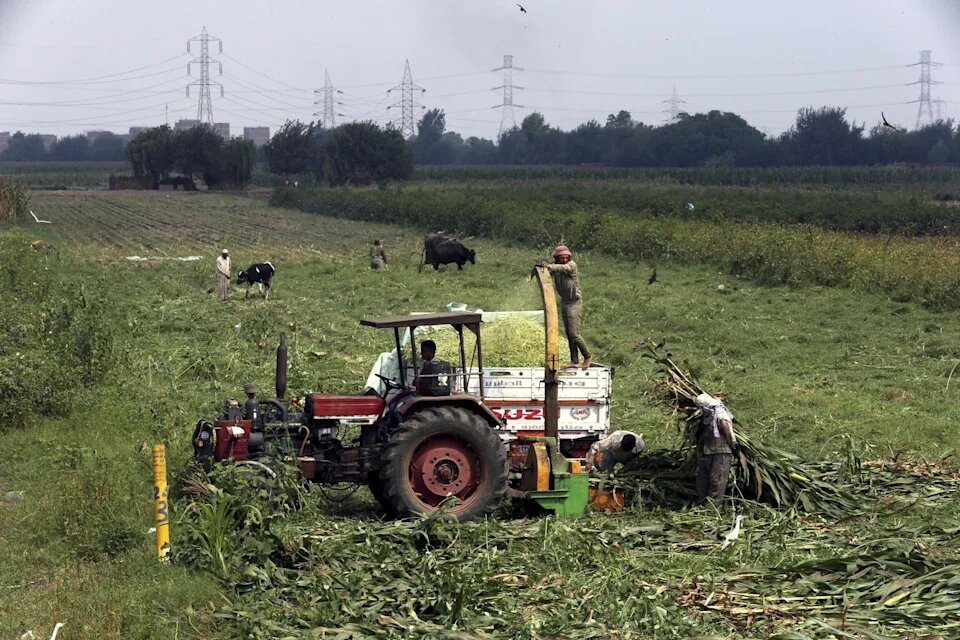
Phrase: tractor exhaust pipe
(281, 380)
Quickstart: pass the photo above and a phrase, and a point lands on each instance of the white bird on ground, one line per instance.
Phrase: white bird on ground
(236, 327)
(732, 536)
(38, 219)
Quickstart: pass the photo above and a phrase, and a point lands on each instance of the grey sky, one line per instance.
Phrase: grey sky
(583, 59)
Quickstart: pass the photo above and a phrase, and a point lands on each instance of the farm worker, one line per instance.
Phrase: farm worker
(717, 442)
(432, 379)
(566, 280)
(619, 446)
(223, 275)
(378, 259)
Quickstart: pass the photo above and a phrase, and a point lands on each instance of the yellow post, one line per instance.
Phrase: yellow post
(161, 507)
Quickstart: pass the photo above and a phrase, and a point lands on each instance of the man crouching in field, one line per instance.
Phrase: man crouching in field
(223, 275)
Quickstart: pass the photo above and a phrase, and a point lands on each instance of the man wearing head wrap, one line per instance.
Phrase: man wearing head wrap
(717, 442)
(566, 280)
(223, 275)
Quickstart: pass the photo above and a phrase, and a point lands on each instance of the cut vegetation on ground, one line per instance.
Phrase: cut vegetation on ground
(823, 373)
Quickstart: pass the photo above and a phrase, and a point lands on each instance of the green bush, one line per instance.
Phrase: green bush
(57, 335)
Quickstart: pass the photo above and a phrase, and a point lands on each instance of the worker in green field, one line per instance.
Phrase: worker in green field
(619, 446)
(378, 259)
(223, 275)
(716, 443)
(566, 280)
(433, 377)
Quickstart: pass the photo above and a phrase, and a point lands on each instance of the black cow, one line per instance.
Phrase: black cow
(261, 274)
(439, 249)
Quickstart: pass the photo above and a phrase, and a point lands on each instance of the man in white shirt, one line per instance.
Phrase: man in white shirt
(223, 275)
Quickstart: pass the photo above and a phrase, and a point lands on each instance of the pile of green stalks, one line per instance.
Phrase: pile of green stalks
(763, 472)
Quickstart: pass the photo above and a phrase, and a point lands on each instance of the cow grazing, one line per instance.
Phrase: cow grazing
(259, 274)
(439, 249)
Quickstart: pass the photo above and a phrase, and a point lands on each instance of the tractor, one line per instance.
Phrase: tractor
(413, 451)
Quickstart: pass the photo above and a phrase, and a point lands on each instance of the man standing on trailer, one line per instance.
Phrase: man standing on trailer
(566, 280)
(223, 275)
(717, 442)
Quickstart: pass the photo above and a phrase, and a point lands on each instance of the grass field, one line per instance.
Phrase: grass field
(805, 368)
(63, 175)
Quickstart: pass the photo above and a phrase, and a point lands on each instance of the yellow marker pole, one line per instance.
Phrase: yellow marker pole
(161, 507)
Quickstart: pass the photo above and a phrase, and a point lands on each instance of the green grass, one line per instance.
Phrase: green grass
(802, 366)
(63, 175)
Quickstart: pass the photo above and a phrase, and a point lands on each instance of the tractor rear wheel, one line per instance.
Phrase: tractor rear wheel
(443, 451)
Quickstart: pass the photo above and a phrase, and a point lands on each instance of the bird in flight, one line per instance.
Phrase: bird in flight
(887, 124)
(521, 8)
(653, 277)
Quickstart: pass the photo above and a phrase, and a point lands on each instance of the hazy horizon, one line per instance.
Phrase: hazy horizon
(115, 65)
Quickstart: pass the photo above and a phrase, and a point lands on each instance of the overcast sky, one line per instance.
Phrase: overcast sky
(112, 64)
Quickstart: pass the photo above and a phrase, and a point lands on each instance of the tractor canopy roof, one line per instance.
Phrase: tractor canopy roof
(471, 320)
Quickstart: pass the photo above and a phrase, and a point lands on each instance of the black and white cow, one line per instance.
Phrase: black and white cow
(261, 274)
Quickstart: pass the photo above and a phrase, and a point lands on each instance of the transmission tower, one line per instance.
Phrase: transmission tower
(674, 105)
(507, 121)
(939, 104)
(204, 104)
(407, 120)
(328, 114)
(925, 81)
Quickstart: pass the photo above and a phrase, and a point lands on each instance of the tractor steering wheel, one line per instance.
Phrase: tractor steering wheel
(388, 383)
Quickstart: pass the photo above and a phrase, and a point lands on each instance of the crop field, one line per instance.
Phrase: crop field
(62, 175)
(102, 356)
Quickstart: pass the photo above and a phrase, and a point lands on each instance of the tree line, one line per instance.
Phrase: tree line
(820, 136)
(29, 147)
(195, 153)
(364, 152)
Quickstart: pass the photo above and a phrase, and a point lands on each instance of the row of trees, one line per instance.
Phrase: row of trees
(818, 137)
(358, 153)
(30, 148)
(197, 153)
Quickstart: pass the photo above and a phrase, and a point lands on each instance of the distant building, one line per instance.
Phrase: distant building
(135, 131)
(4, 140)
(93, 135)
(223, 128)
(48, 140)
(257, 135)
(183, 125)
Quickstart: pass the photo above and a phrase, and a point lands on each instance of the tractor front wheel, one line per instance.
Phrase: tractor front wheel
(439, 452)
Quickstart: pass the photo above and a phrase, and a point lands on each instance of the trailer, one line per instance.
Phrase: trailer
(516, 394)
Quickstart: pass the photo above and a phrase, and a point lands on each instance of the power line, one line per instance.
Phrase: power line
(95, 78)
(272, 79)
(649, 76)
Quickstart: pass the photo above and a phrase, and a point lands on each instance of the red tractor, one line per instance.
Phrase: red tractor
(413, 450)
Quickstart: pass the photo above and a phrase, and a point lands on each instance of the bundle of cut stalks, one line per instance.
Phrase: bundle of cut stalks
(763, 472)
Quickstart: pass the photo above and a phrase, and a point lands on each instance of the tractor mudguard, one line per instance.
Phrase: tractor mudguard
(468, 402)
